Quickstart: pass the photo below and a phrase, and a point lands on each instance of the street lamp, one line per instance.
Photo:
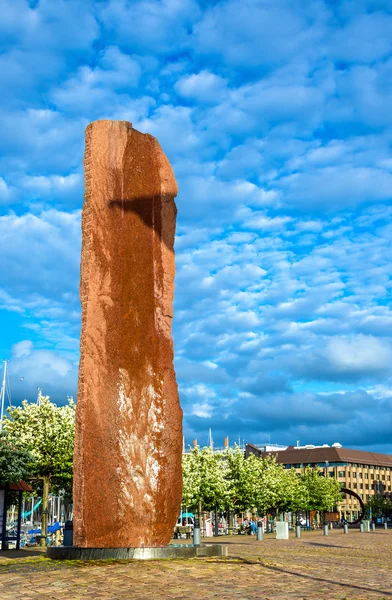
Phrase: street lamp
(325, 521)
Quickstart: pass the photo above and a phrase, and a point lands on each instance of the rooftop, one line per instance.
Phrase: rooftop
(324, 454)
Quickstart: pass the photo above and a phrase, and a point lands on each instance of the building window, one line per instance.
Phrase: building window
(341, 474)
(366, 475)
(354, 475)
(360, 475)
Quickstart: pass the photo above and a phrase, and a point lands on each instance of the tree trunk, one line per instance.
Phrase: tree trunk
(44, 521)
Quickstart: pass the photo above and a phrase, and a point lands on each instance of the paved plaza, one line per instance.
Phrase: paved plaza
(338, 567)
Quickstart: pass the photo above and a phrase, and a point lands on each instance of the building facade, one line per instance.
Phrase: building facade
(365, 473)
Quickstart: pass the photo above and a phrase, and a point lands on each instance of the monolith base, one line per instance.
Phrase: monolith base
(171, 551)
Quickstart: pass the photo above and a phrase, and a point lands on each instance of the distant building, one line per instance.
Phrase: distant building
(366, 473)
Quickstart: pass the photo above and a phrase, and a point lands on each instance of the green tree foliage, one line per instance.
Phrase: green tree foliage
(268, 484)
(47, 432)
(378, 505)
(205, 479)
(14, 462)
(229, 481)
(240, 482)
(323, 493)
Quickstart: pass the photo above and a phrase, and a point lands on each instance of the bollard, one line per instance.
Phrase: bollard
(345, 528)
(259, 531)
(326, 529)
(373, 526)
(57, 538)
(298, 530)
(361, 527)
(216, 524)
(68, 534)
(196, 532)
(385, 525)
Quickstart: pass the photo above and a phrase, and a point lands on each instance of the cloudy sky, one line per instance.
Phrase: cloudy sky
(276, 116)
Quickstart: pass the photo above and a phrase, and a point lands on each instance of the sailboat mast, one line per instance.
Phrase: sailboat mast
(2, 393)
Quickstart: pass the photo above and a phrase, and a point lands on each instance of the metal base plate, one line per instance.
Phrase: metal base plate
(171, 551)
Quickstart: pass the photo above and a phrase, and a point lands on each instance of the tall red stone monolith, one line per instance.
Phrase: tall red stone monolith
(127, 465)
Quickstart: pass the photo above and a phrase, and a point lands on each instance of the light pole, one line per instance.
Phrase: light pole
(325, 520)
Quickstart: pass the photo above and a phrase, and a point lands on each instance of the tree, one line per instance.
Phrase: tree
(239, 486)
(297, 491)
(265, 476)
(378, 505)
(13, 462)
(47, 432)
(205, 481)
(323, 493)
(228, 480)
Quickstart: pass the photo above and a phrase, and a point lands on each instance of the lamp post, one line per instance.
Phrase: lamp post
(325, 521)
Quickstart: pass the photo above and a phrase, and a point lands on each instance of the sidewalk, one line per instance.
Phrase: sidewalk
(337, 567)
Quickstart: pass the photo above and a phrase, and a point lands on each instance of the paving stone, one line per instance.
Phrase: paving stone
(353, 567)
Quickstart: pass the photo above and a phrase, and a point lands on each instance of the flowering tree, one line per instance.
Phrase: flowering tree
(47, 432)
(13, 462)
(261, 483)
(228, 480)
(322, 492)
(205, 481)
(240, 488)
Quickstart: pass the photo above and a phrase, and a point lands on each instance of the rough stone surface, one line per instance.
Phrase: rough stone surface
(171, 551)
(127, 484)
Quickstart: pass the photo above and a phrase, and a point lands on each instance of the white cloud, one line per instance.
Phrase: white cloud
(150, 26)
(31, 368)
(5, 192)
(202, 410)
(23, 348)
(365, 38)
(204, 87)
(358, 354)
(54, 187)
(248, 34)
(276, 118)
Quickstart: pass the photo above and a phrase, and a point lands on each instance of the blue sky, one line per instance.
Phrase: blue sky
(276, 116)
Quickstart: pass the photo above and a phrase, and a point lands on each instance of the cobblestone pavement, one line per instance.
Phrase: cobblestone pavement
(339, 566)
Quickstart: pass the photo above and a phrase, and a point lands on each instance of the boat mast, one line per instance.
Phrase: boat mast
(2, 393)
